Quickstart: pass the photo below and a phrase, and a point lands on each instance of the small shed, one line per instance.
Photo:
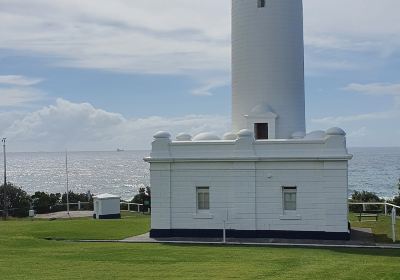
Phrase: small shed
(106, 206)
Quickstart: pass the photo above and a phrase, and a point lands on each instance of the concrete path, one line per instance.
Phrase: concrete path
(64, 215)
(361, 238)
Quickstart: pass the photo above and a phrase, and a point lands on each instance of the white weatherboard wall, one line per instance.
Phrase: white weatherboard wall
(268, 66)
(106, 206)
(245, 178)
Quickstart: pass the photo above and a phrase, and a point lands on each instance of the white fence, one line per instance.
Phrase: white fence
(79, 204)
(386, 204)
(130, 208)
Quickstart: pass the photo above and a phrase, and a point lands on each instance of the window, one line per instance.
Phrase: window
(261, 3)
(289, 198)
(261, 131)
(203, 198)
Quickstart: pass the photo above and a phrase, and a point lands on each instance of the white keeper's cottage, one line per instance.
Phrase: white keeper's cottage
(267, 178)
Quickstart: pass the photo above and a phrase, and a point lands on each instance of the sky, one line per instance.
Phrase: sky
(102, 75)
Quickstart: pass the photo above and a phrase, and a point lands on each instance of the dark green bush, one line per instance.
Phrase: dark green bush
(82, 197)
(45, 203)
(365, 196)
(143, 197)
(19, 201)
(396, 200)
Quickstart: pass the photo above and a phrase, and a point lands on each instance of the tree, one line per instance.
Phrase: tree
(398, 185)
(143, 197)
(75, 197)
(364, 196)
(45, 203)
(19, 201)
(396, 199)
(82, 197)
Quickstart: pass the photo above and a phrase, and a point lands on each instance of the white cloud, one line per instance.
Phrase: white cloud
(314, 66)
(377, 89)
(19, 96)
(180, 36)
(360, 125)
(358, 133)
(83, 127)
(373, 89)
(17, 80)
(358, 25)
(132, 36)
(206, 89)
(340, 120)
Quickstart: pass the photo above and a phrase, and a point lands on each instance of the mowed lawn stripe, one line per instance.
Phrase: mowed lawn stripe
(24, 254)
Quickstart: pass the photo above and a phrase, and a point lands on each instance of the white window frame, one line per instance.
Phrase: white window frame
(202, 190)
(289, 190)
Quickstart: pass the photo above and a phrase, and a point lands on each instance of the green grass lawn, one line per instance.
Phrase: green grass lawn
(24, 254)
(77, 229)
(382, 229)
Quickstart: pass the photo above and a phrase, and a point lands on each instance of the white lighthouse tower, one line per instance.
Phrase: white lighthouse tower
(267, 178)
(268, 68)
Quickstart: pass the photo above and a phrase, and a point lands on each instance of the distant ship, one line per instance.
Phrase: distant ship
(119, 150)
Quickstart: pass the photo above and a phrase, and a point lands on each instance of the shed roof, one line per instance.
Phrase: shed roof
(106, 196)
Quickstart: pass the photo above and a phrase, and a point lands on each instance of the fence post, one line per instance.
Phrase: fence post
(129, 207)
(364, 207)
(79, 205)
(224, 233)
(386, 212)
(394, 224)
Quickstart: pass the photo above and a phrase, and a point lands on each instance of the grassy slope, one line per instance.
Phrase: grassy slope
(77, 229)
(382, 229)
(23, 255)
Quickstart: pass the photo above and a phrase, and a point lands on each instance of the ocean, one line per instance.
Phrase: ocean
(372, 169)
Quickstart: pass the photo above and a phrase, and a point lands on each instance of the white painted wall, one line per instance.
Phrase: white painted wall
(246, 179)
(109, 206)
(268, 65)
(251, 194)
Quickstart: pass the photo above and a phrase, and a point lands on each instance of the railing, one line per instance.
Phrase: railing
(79, 203)
(385, 204)
(10, 210)
(129, 206)
(132, 207)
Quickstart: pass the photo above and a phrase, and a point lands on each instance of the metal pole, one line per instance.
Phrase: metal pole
(394, 224)
(66, 172)
(5, 208)
(386, 208)
(224, 233)
(224, 226)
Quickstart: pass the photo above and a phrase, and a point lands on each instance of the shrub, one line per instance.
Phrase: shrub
(365, 196)
(143, 197)
(45, 203)
(19, 202)
(82, 197)
(396, 200)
